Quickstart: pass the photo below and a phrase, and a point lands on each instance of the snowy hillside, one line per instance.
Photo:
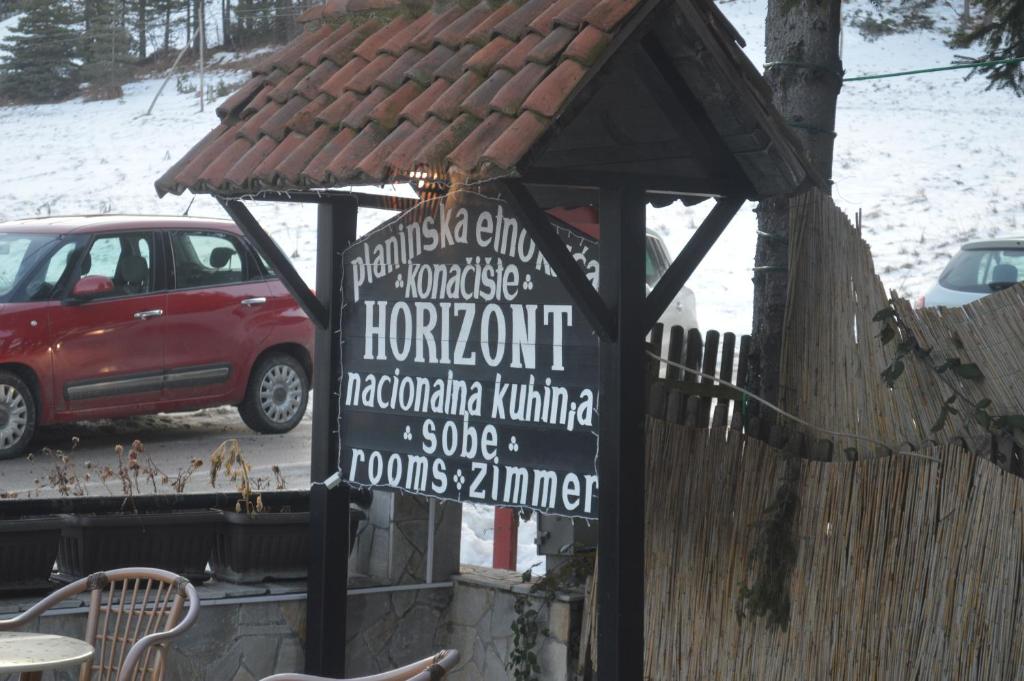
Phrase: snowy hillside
(931, 160)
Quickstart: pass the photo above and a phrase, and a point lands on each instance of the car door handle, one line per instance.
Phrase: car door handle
(146, 314)
(250, 302)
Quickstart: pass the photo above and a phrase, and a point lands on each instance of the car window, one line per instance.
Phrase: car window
(41, 285)
(125, 259)
(203, 259)
(984, 270)
(21, 269)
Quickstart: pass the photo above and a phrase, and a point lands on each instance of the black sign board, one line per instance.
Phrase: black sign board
(467, 372)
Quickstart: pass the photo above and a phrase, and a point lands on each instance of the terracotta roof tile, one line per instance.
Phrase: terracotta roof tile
(435, 154)
(607, 14)
(545, 21)
(293, 165)
(309, 86)
(588, 45)
(343, 50)
(238, 174)
(314, 13)
(338, 109)
(447, 105)
(514, 59)
(453, 35)
(173, 179)
(466, 155)
(478, 102)
(516, 24)
(423, 71)
(234, 104)
(548, 49)
(257, 102)
(486, 57)
(369, 48)
(266, 172)
(416, 110)
(509, 99)
(277, 125)
(427, 37)
(402, 40)
(214, 172)
(548, 97)
(386, 113)
(288, 58)
(305, 120)
(517, 139)
(367, 76)
(484, 31)
(453, 68)
(316, 170)
(313, 56)
(360, 115)
(250, 127)
(408, 154)
(335, 85)
(283, 90)
(342, 167)
(201, 157)
(394, 76)
(572, 15)
(377, 162)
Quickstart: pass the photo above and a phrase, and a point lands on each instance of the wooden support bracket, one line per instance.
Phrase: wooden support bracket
(551, 245)
(269, 249)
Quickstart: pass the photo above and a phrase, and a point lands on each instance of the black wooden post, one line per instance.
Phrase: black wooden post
(327, 587)
(620, 624)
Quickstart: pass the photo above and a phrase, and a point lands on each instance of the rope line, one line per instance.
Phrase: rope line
(751, 396)
(950, 67)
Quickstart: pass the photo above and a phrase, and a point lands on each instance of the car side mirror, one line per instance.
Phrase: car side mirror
(91, 286)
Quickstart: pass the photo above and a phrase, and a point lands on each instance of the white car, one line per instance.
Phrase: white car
(682, 311)
(980, 268)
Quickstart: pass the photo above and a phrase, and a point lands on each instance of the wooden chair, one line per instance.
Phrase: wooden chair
(428, 669)
(129, 625)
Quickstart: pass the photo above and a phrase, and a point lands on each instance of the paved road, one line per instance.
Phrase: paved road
(170, 440)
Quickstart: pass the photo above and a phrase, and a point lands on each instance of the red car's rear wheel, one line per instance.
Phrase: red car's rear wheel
(17, 415)
(276, 398)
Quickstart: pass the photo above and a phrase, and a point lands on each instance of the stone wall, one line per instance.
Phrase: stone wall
(480, 621)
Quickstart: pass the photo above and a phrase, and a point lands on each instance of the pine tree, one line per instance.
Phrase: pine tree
(42, 52)
(999, 32)
(107, 45)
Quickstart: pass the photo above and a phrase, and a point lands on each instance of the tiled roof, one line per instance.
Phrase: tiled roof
(370, 92)
(376, 90)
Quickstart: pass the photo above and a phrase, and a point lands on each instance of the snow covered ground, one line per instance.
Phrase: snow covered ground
(932, 160)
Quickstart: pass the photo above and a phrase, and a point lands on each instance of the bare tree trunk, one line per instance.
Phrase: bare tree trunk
(225, 13)
(142, 29)
(805, 73)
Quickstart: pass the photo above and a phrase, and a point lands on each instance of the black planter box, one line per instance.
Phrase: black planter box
(268, 546)
(261, 547)
(179, 541)
(28, 547)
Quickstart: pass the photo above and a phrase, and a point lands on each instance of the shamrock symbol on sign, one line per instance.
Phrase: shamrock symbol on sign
(459, 479)
(528, 283)
(513, 444)
(407, 435)
(399, 281)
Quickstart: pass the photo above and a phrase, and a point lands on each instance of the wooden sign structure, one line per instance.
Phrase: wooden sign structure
(467, 373)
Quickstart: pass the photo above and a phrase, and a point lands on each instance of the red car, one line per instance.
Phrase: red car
(112, 316)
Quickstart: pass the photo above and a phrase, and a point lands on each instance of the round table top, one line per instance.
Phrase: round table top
(26, 651)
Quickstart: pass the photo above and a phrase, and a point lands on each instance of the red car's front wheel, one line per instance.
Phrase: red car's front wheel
(17, 415)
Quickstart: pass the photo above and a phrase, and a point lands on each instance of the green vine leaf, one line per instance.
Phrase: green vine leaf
(968, 371)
